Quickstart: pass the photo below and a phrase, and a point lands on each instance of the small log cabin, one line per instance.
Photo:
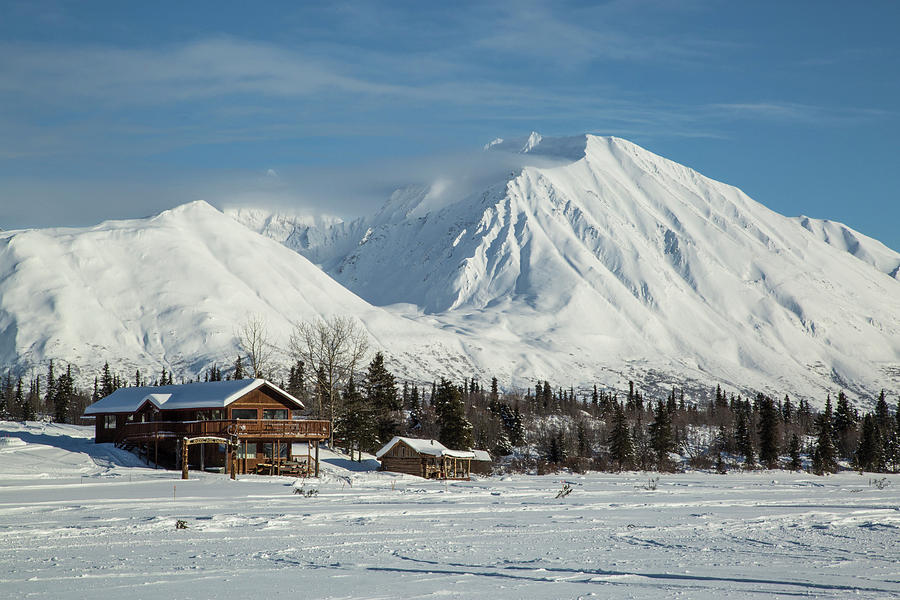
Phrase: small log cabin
(243, 426)
(425, 458)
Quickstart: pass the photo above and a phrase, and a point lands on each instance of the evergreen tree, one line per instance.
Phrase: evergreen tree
(547, 396)
(455, 428)
(742, 436)
(824, 458)
(882, 415)
(621, 450)
(787, 410)
(768, 433)
(794, 453)
(869, 454)
(65, 391)
(671, 403)
(845, 420)
(381, 393)
(4, 400)
(661, 440)
(356, 423)
(49, 397)
(556, 448)
(25, 410)
(296, 386)
(583, 444)
(106, 381)
(516, 429)
(238, 369)
(415, 410)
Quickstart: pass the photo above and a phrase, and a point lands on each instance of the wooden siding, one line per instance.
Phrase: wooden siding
(410, 466)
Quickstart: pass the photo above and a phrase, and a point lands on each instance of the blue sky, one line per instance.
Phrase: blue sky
(121, 109)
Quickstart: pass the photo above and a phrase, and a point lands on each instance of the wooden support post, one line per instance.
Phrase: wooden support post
(184, 459)
(317, 458)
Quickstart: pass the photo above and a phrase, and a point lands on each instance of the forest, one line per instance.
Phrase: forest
(543, 428)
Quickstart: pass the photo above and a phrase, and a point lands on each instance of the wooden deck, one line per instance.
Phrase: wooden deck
(303, 429)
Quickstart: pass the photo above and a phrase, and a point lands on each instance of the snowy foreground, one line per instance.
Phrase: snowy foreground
(78, 520)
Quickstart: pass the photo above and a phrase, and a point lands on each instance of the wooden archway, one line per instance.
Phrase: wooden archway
(186, 442)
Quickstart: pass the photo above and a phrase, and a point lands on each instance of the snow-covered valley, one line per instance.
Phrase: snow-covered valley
(79, 519)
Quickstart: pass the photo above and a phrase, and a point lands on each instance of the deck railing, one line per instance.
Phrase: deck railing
(242, 428)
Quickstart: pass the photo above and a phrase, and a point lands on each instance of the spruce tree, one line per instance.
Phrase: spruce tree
(65, 391)
(882, 414)
(415, 410)
(768, 433)
(356, 423)
(106, 381)
(238, 369)
(661, 440)
(742, 436)
(22, 407)
(845, 420)
(621, 450)
(455, 428)
(824, 454)
(381, 393)
(869, 454)
(49, 399)
(794, 453)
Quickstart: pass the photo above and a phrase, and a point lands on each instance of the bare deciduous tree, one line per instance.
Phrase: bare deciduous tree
(253, 339)
(333, 347)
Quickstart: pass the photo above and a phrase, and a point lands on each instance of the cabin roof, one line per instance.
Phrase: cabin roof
(482, 455)
(208, 394)
(429, 447)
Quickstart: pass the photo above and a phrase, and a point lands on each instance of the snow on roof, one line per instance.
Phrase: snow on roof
(482, 455)
(210, 394)
(429, 447)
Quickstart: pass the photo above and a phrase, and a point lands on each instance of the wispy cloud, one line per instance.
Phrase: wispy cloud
(794, 112)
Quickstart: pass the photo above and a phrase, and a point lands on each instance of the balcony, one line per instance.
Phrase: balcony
(301, 429)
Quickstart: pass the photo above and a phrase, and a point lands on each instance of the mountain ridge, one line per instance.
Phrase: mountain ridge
(649, 244)
(619, 265)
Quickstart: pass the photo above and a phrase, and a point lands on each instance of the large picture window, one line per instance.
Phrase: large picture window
(244, 413)
(275, 413)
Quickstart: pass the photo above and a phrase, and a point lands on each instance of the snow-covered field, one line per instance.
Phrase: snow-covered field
(79, 520)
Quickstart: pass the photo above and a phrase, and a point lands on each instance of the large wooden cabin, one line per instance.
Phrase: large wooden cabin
(240, 426)
(425, 458)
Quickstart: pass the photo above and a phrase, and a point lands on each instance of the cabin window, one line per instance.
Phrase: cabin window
(244, 413)
(218, 414)
(275, 413)
(109, 421)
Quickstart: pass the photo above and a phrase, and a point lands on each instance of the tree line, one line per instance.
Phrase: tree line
(543, 427)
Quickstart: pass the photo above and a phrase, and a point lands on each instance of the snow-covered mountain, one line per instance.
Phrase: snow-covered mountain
(864, 248)
(595, 262)
(171, 291)
(602, 261)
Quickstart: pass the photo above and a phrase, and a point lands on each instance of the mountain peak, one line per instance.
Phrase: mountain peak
(534, 144)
